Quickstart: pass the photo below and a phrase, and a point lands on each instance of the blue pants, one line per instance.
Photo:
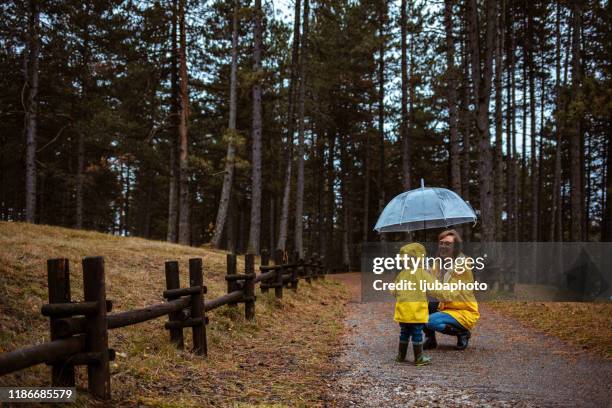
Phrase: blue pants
(411, 330)
(438, 320)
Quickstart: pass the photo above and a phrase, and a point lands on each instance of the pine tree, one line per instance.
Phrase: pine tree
(32, 110)
(230, 158)
(184, 228)
(482, 91)
(299, 195)
(452, 97)
(255, 230)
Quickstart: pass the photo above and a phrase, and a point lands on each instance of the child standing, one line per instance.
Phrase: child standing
(411, 306)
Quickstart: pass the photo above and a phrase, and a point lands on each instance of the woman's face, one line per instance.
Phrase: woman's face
(446, 246)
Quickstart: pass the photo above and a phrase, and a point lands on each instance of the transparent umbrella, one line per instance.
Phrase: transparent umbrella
(423, 208)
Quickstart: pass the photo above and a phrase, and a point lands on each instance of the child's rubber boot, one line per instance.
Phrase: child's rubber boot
(430, 339)
(401, 354)
(420, 359)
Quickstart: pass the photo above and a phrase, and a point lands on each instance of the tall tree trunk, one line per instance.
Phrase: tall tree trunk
(173, 184)
(344, 194)
(607, 224)
(532, 123)
(284, 213)
(85, 85)
(320, 166)
(284, 218)
(32, 112)
(381, 104)
(411, 91)
(576, 136)
(255, 230)
(482, 93)
(272, 222)
(172, 230)
(466, 125)
(330, 198)
(120, 205)
(565, 183)
(511, 193)
(366, 188)
(184, 235)
(146, 216)
(555, 234)
(299, 194)
(588, 151)
(231, 228)
(499, 163)
(404, 108)
(451, 97)
(80, 179)
(540, 162)
(523, 193)
(126, 201)
(230, 158)
(515, 193)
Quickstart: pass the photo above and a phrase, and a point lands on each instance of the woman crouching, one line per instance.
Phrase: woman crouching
(457, 312)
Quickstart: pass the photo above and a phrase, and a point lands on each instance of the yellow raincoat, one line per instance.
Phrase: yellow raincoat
(411, 305)
(462, 304)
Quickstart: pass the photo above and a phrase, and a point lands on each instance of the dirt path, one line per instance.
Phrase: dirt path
(506, 364)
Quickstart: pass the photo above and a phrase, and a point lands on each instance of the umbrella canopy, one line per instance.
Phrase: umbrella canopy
(423, 208)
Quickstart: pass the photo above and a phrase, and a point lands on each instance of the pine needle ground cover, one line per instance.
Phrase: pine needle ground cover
(281, 359)
(586, 325)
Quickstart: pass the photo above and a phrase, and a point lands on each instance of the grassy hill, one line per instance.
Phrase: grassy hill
(281, 358)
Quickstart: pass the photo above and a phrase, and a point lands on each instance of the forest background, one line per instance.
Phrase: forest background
(249, 125)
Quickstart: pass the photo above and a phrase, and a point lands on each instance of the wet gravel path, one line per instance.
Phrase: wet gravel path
(506, 364)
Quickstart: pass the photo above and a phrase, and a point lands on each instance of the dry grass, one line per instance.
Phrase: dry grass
(281, 359)
(586, 325)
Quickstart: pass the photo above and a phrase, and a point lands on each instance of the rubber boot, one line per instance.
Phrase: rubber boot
(430, 339)
(463, 339)
(450, 330)
(401, 354)
(420, 359)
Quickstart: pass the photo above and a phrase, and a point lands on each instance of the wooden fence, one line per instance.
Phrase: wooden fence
(79, 330)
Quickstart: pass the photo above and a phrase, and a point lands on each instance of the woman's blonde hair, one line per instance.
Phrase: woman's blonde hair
(457, 241)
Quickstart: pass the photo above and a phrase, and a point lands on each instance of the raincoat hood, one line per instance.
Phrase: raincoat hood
(414, 250)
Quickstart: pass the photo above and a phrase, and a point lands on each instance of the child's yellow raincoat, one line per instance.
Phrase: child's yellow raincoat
(411, 305)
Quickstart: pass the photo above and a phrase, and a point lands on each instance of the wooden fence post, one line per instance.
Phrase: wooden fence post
(265, 261)
(196, 278)
(278, 284)
(96, 328)
(249, 286)
(294, 270)
(232, 284)
(173, 282)
(58, 278)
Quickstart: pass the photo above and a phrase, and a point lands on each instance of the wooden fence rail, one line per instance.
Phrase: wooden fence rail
(79, 330)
